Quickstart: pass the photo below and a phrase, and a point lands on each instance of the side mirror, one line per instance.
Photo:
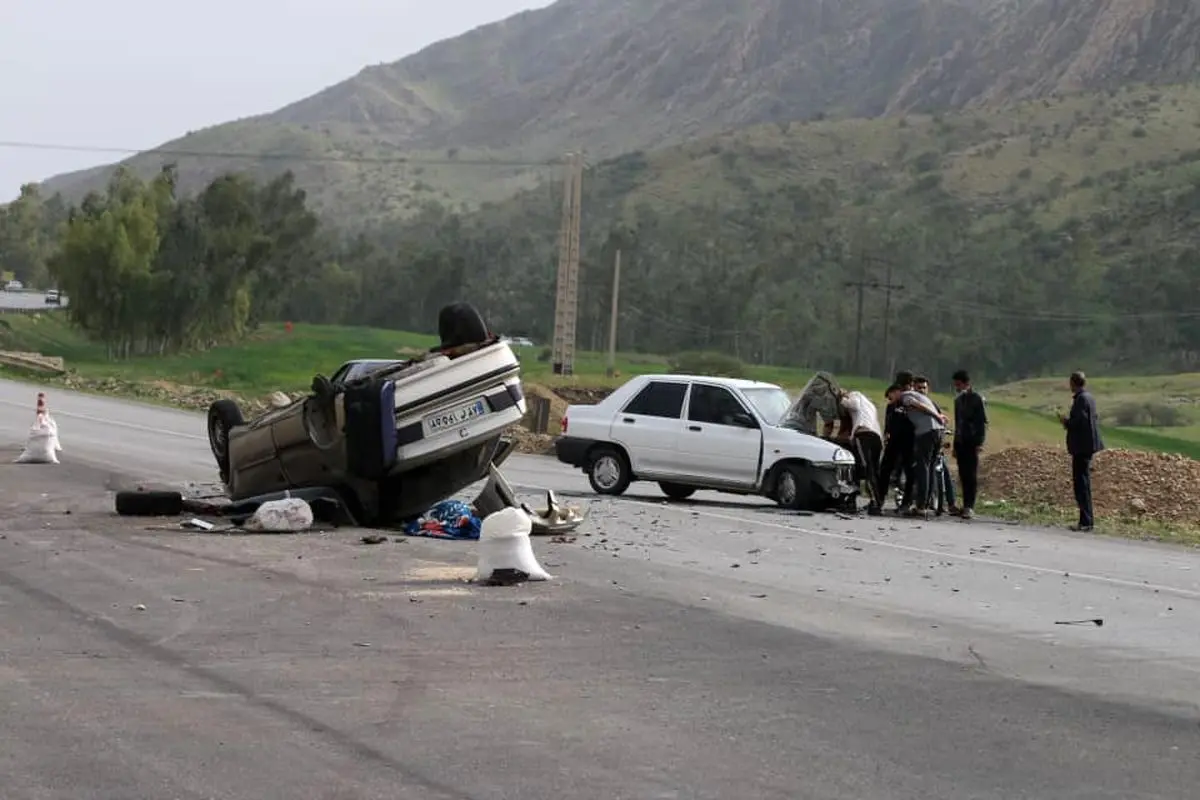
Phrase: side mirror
(744, 420)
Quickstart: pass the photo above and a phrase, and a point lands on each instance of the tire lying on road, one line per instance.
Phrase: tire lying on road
(149, 504)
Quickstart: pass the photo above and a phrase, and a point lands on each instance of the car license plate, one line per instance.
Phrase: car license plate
(453, 417)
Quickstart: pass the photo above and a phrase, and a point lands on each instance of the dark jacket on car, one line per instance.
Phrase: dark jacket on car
(970, 419)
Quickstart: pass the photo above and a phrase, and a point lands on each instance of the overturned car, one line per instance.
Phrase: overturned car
(388, 438)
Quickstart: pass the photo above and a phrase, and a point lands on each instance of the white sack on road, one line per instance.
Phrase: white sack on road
(281, 516)
(42, 445)
(504, 544)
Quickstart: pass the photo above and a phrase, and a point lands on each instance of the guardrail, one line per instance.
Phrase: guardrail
(32, 310)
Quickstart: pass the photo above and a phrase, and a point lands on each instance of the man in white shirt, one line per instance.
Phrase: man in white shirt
(860, 420)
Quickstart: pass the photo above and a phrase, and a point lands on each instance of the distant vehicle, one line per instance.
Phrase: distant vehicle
(689, 432)
(53, 297)
(14, 286)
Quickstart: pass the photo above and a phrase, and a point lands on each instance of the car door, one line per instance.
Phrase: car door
(721, 442)
(649, 425)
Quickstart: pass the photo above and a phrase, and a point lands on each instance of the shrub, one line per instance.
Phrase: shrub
(703, 363)
(1149, 415)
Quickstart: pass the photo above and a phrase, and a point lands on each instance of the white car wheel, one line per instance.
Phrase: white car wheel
(608, 472)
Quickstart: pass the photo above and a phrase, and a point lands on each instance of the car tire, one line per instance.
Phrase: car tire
(793, 489)
(149, 504)
(609, 471)
(676, 491)
(223, 417)
(461, 324)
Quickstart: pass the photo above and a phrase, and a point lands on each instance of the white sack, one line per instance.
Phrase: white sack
(41, 446)
(281, 516)
(504, 543)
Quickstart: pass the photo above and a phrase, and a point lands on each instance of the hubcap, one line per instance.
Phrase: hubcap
(606, 471)
(787, 488)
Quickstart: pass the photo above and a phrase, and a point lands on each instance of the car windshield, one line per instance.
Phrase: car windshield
(770, 402)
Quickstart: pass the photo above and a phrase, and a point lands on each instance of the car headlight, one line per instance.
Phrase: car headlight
(843, 457)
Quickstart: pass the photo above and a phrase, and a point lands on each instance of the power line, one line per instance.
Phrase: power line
(269, 156)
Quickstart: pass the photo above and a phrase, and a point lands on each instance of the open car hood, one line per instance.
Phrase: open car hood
(819, 396)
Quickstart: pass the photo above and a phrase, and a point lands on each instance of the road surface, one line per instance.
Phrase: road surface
(26, 299)
(690, 650)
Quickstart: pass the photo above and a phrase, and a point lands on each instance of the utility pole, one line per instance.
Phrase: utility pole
(861, 286)
(566, 304)
(612, 322)
(888, 288)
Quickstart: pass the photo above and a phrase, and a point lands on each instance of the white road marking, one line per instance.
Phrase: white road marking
(906, 548)
(112, 423)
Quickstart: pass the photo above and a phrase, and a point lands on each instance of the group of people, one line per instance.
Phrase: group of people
(908, 447)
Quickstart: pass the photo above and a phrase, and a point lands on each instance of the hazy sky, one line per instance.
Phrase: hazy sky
(137, 73)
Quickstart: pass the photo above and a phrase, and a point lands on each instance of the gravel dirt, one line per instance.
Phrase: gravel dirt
(1125, 483)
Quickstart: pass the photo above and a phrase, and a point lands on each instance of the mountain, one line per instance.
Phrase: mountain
(614, 76)
(1028, 238)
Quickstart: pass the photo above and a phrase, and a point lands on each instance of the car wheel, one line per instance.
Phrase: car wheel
(609, 472)
(149, 504)
(793, 489)
(677, 491)
(223, 417)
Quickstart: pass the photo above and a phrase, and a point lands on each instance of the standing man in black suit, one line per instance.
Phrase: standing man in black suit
(970, 432)
(1083, 442)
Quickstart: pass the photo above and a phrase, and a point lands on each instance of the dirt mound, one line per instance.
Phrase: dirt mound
(538, 444)
(582, 395)
(1125, 483)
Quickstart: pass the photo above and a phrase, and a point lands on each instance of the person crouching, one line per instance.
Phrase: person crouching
(867, 438)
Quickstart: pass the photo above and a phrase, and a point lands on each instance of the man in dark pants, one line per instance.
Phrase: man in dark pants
(928, 426)
(970, 432)
(1083, 442)
(897, 440)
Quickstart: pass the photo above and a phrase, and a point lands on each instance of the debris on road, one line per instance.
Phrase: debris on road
(506, 550)
(449, 519)
(374, 539)
(1097, 622)
(290, 515)
(42, 445)
(1125, 483)
(149, 503)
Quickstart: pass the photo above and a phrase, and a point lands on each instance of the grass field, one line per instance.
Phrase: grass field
(275, 359)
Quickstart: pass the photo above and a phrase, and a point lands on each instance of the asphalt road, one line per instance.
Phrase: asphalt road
(708, 649)
(25, 299)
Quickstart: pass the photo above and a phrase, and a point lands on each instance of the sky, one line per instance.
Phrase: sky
(138, 73)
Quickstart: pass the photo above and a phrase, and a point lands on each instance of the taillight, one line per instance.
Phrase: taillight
(563, 425)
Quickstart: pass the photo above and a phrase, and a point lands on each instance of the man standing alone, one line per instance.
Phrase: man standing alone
(970, 432)
(1083, 442)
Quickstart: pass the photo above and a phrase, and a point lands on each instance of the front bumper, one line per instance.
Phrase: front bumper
(836, 480)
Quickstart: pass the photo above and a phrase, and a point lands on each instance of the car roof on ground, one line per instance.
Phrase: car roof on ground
(734, 383)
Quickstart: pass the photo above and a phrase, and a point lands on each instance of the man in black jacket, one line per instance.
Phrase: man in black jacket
(1083, 442)
(898, 441)
(970, 432)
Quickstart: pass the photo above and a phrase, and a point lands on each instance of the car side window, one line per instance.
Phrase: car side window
(714, 405)
(659, 399)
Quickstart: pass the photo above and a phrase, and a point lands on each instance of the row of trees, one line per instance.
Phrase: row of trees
(148, 271)
(763, 278)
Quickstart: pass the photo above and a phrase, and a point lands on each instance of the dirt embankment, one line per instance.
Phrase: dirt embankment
(1125, 483)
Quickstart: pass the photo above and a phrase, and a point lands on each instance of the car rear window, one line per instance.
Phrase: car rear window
(659, 399)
